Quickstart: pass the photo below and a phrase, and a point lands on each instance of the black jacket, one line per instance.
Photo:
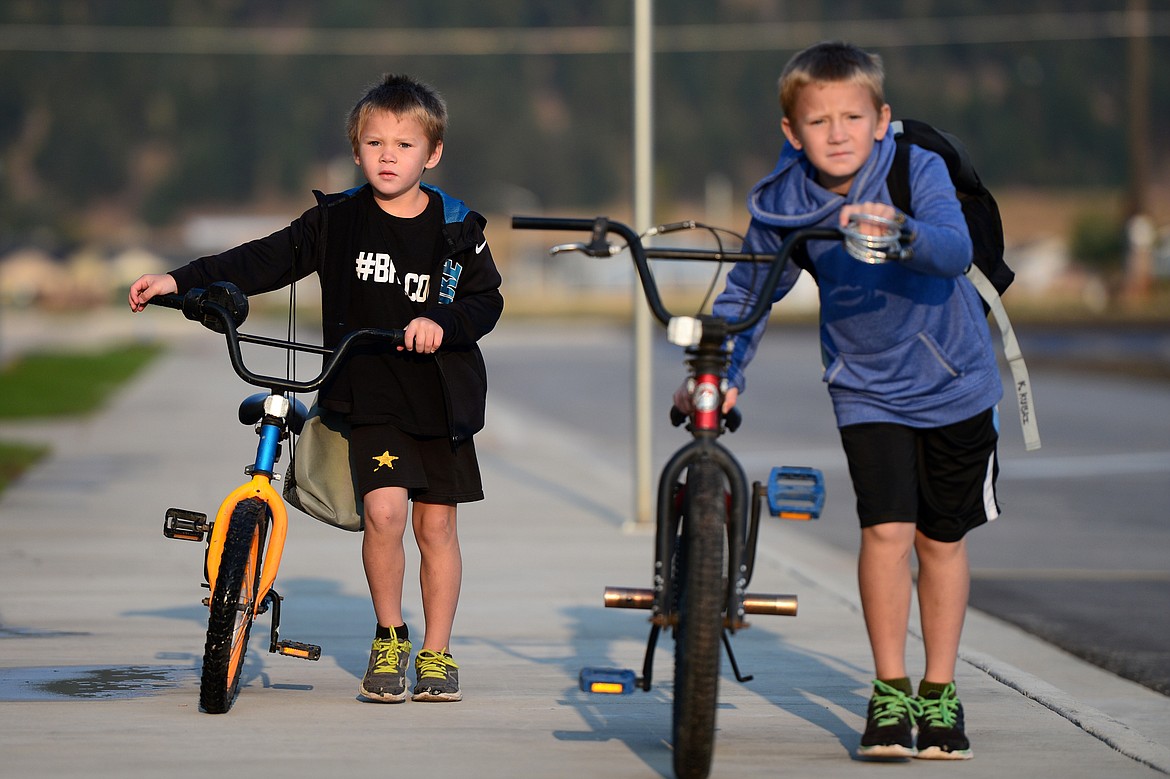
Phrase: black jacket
(466, 303)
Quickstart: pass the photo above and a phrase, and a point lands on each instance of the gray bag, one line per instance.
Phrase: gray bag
(320, 480)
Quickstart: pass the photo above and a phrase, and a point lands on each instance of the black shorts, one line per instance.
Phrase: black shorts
(942, 478)
(432, 469)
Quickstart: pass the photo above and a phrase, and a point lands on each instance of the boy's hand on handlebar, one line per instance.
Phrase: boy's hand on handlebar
(423, 335)
(682, 399)
(729, 399)
(884, 210)
(149, 285)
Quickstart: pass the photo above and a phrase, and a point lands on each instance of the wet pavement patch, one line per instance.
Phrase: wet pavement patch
(89, 682)
(35, 633)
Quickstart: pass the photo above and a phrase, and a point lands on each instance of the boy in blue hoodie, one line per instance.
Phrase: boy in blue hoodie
(910, 369)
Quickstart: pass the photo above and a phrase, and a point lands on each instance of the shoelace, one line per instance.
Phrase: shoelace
(891, 705)
(433, 665)
(387, 660)
(943, 710)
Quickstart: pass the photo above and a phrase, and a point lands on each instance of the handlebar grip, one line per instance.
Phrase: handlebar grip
(677, 417)
(167, 301)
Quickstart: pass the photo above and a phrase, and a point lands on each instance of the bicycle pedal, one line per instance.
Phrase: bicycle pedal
(796, 493)
(297, 649)
(607, 681)
(185, 525)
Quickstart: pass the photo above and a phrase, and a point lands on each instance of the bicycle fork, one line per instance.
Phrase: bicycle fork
(186, 525)
(793, 493)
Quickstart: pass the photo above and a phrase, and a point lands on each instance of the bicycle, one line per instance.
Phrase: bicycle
(246, 539)
(705, 539)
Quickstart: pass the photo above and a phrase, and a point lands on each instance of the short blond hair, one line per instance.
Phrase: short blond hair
(402, 96)
(831, 61)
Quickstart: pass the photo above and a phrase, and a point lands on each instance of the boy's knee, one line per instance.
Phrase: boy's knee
(934, 549)
(896, 533)
(434, 524)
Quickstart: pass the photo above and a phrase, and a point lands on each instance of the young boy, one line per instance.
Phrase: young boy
(392, 253)
(911, 374)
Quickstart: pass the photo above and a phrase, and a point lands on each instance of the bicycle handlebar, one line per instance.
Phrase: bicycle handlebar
(225, 318)
(598, 246)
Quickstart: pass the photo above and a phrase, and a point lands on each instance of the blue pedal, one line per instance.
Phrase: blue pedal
(796, 493)
(607, 681)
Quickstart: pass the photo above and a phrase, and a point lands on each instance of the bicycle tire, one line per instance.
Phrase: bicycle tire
(232, 607)
(700, 621)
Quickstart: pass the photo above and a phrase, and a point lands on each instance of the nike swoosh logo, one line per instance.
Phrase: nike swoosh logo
(480, 247)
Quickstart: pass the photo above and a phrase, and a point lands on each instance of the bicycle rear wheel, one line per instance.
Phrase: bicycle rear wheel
(700, 621)
(232, 606)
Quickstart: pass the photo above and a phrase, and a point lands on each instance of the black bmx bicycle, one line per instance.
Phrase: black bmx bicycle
(246, 538)
(707, 517)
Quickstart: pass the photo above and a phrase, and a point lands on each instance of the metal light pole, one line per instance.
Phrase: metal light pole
(643, 216)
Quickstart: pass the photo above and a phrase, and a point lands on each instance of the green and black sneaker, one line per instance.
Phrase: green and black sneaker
(385, 679)
(437, 677)
(889, 724)
(940, 729)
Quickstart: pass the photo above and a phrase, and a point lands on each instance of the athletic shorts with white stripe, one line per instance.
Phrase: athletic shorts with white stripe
(942, 478)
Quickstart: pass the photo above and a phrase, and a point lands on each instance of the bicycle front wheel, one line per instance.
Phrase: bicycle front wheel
(700, 620)
(232, 607)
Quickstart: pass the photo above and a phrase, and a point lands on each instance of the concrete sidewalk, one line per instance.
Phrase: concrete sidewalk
(101, 628)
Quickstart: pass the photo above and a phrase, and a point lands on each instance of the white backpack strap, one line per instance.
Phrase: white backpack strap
(1015, 358)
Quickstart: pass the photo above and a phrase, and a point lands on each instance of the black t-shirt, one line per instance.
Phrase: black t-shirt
(391, 282)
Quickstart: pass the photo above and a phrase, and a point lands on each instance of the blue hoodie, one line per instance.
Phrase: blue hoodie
(903, 342)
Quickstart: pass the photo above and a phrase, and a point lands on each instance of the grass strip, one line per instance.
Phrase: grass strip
(15, 459)
(51, 384)
(55, 384)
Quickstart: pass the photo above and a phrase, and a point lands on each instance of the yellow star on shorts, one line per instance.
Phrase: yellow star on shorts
(385, 458)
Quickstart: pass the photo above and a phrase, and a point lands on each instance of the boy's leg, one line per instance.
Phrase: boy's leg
(440, 570)
(885, 584)
(382, 554)
(385, 511)
(944, 583)
(959, 469)
(440, 574)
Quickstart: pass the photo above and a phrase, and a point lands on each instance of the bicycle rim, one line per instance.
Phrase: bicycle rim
(232, 607)
(700, 621)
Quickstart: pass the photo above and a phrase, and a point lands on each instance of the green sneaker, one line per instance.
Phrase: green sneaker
(385, 679)
(438, 677)
(940, 730)
(889, 724)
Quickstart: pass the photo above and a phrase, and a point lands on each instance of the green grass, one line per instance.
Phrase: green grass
(53, 384)
(15, 459)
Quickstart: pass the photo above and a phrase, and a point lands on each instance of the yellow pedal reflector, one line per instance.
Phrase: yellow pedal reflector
(612, 688)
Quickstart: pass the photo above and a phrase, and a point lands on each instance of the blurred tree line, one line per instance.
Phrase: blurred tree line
(144, 110)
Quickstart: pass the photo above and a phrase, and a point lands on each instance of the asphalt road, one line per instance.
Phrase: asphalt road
(1079, 556)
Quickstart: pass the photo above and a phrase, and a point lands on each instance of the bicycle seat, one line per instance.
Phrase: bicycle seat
(252, 411)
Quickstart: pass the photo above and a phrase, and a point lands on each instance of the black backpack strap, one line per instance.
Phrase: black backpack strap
(898, 179)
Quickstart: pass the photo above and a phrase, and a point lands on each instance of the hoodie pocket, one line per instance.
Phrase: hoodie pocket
(915, 367)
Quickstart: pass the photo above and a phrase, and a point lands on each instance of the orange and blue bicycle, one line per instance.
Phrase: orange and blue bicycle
(246, 538)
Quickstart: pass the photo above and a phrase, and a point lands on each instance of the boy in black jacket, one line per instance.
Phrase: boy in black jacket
(392, 253)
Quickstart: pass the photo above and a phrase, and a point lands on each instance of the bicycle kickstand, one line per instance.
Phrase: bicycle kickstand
(731, 658)
(287, 648)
